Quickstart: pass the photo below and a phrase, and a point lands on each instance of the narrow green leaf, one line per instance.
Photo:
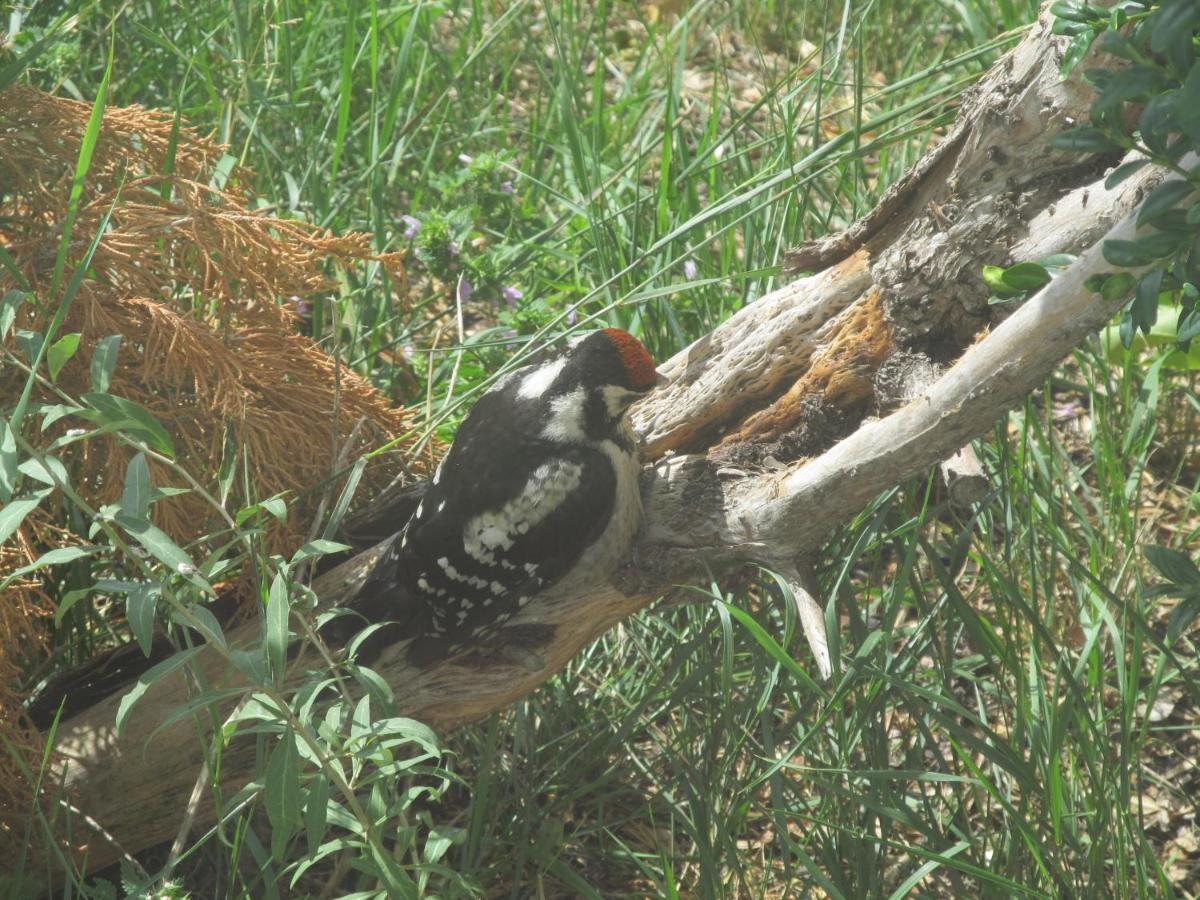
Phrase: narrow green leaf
(135, 501)
(135, 693)
(276, 638)
(104, 362)
(1085, 139)
(344, 499)
(1145, 301)
(1163, 198)
(118, 414)
(1187, 113)
(159, 545)
(277, 507)
(8, 310)
(9, 461)
(140, 604)
(319, 547)
(316, 820)
(49, 470)
(200, 619)
(282, 784)
(1174, 566)
(56, 557)
(1173, 18)
(60, 353)
(1189, 326)
(1123, 171)
(15, 511)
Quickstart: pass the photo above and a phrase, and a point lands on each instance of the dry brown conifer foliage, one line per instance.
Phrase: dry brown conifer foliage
(198, 285)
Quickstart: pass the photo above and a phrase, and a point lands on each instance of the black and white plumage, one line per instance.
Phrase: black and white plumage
(540, 486)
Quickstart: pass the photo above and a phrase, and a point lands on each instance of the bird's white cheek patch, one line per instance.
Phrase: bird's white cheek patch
(617, 400)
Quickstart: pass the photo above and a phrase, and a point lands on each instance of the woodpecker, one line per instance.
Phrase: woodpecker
(539, 487)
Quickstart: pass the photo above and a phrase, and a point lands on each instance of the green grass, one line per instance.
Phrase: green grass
(985, 732)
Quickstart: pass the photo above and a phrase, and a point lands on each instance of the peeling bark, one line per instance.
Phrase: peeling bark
(904, 281)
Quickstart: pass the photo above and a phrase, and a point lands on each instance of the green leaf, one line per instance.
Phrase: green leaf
(52, 412)
(1145, 302)
(1189, 326)
(316, 820)
(135, 501)
(69, 600)
(118, 414)
(1117, 286)
(277, 507)
(993, 277)
(49, 470)
(1127, 329)
(1172, 19)
(1085, 139)
(8, 310)
(1074, 11)
(56, 557)
(282, 784)
(140, 603)
(1163, 198)
(9, 467)
(1026, 276)
(1173, 565)
(135, 693)
(199, 618)
(31, 344)
(1124, 253)
(1157, 122)
(60, 353)
(276, 637)
(104, 362)
(159, 545)
(1123, 171)
(1187, 112)
(319, 547)
(1132, 83)
(15, 511)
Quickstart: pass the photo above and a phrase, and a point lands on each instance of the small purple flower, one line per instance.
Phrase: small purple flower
(511, 334)
(464, 159)
(414, 227)
(453, 249)
(464, 290)
(302, 306)
(507, 188)
(572, 315)
(512, 295)
(689, 269)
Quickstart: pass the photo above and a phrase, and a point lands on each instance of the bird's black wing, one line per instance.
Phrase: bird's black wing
(495, 527)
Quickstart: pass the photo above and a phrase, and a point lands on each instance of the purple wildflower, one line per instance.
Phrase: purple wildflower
(572, 315)
(464, 159)
(512, 295)
(453, 249)
(464, 290)
(414, 227)
(689, 268)
(302, 306)
(507, 188)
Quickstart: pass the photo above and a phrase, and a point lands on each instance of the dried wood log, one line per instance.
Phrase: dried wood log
(994, 192)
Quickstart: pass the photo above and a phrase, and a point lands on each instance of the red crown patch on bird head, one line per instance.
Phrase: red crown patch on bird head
(635, 358)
